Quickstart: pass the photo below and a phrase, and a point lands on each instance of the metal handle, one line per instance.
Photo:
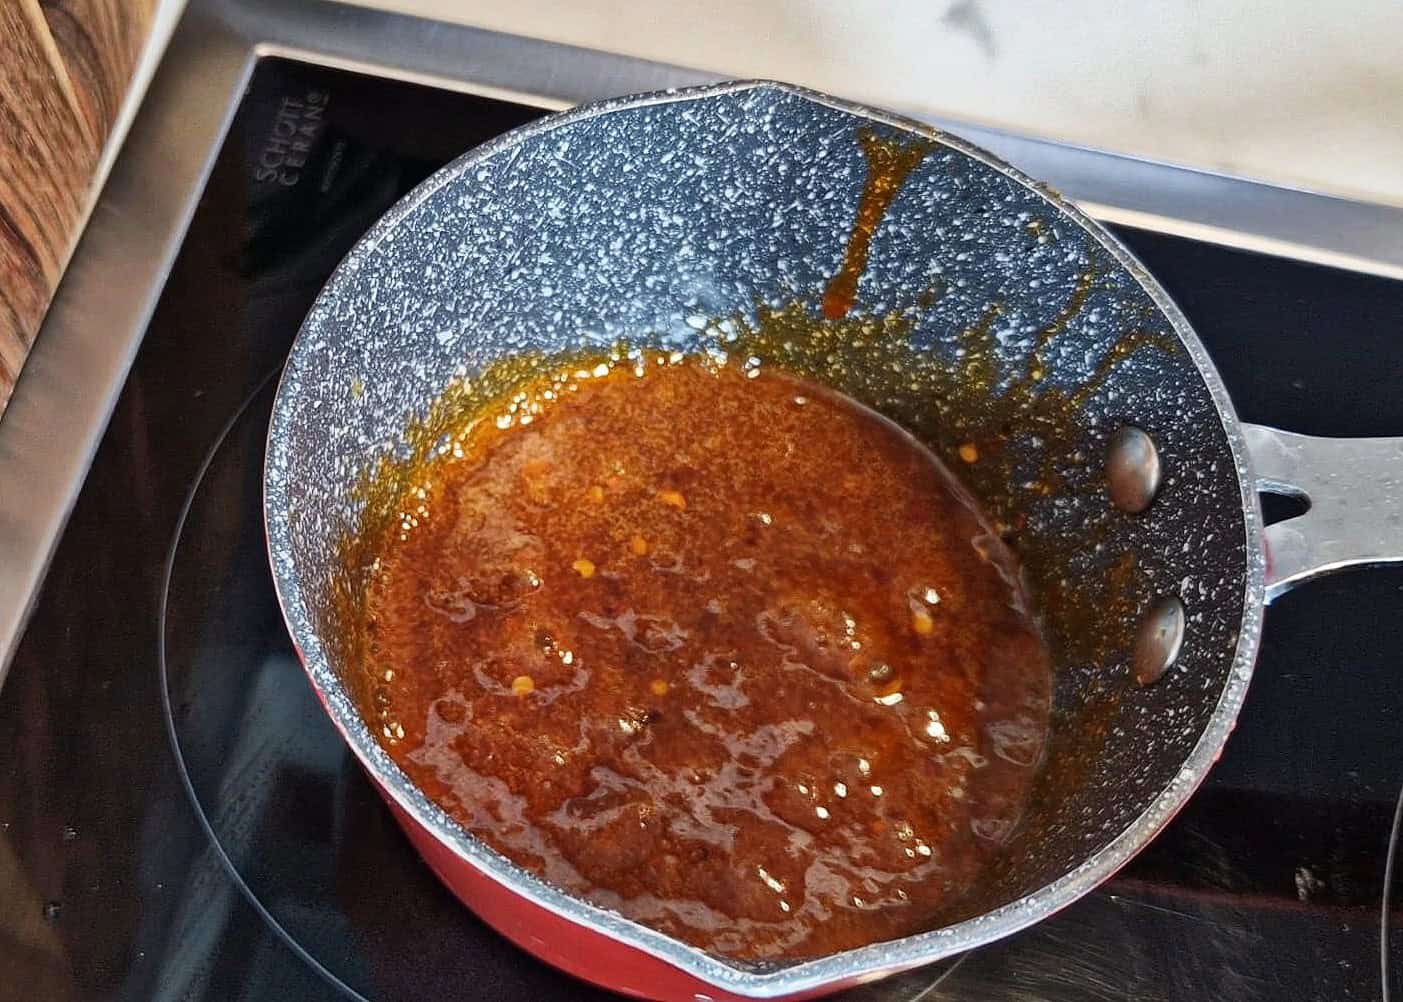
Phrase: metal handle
(1355, 490)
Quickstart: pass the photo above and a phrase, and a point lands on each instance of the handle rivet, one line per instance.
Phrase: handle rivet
(1158, 640)
(1132, 469)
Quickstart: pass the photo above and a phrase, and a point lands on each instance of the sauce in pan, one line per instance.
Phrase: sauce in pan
(715, 648)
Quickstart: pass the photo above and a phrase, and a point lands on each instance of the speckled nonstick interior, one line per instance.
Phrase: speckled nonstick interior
(1029, 331)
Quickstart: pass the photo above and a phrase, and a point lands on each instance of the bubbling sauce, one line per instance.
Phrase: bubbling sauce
(713, 647)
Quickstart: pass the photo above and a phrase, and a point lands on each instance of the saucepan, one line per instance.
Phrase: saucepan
(1044, 363)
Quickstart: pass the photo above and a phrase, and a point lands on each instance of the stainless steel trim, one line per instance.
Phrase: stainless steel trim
(1355, 490)
(89, 339)
(62, 402)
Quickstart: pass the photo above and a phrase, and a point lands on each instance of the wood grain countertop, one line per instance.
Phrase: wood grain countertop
(64, 69)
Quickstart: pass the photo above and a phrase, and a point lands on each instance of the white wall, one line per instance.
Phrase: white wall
(1304, 92)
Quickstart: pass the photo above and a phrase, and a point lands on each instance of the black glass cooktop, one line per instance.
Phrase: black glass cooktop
(178, 820)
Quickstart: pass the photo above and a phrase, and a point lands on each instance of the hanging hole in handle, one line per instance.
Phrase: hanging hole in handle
(1278, 507)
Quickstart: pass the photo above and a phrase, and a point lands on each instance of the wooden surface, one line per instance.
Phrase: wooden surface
(64, 67)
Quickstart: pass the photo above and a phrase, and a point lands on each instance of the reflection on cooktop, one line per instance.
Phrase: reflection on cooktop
(178, 819)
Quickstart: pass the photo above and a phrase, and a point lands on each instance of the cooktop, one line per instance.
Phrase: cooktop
(178, 819)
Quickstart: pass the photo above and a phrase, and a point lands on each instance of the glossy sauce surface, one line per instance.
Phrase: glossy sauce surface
(714, 648)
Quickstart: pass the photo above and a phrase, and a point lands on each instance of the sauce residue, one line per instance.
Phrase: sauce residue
(1016, 436)
(889, 160)
(709, 645)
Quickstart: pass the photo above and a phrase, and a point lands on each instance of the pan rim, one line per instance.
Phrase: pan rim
(863, 963)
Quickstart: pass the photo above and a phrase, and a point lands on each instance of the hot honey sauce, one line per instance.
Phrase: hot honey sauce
(713, 647)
